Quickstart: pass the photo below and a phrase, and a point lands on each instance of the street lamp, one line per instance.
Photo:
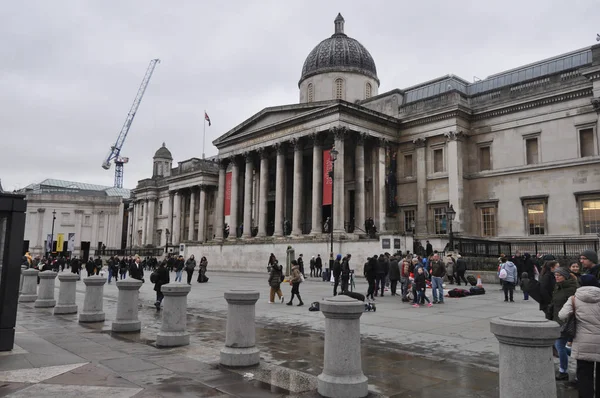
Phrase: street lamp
(52, 233)
(167, 234)
(333, 154)
(450, 214)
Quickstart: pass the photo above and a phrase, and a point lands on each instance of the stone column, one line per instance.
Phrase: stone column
(93, 303)
(240, 335)
(526, 349)
(40, 238)
(78, 225)
(297, 199)
(220, 205)
(175, 233)
(129, 227)
(46, 293)
(173, 330)
(339, 215)
(382, 194)
(127, 306)
(67, 294)
(29, 291)
(95, 227)
(421, 221)
(169, 217)
(342, 374)
(202, 214)
(191, 221)
(279, 189)
(233, 216)
(455, 176)
(317, 186)
(248, 178)
(145, 222)
(263, 192)
(150, 233)
(359, 154)
(136, 209)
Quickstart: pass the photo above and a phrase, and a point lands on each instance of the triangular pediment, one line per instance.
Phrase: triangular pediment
(270, 117)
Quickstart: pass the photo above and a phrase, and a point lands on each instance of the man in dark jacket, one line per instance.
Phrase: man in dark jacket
(382, 269)
(345, 272)
(301, 265)
(438, 271)
(370, 272)
(589, 262)
(162, 278)
(337, 271)
(428, 249)
(318, 266)
(136, 271)
(98, 265)
(460, 268)
(394, 274)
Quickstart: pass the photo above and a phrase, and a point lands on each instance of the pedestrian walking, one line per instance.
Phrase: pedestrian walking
(190, 265)
(295, 281)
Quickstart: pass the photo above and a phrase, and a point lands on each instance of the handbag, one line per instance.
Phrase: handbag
(569, 328)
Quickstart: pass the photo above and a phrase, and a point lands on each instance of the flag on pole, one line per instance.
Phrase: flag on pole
(207, 118)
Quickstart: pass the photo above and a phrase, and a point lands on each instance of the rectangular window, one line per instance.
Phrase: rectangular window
(142, 211)
(439, 221)
(66, 219)
(101, 220)
(536, 218)
(409, 220)
(531, 148)
(438, 160)
(485, 158)
(160, 205)
(408, 166)
(586, 142)
(590, 214)
(488, 221)
(87, 220)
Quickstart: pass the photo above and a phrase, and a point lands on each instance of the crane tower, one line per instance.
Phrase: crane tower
(115, 150)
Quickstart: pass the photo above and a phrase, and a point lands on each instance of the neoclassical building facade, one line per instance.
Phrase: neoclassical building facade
(515, 154)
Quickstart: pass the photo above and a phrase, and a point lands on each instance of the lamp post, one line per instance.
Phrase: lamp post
(333, 154)
(450, 214)
(167, 234)
(52, 233)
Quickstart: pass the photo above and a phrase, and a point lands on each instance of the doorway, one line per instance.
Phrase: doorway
(84, 252)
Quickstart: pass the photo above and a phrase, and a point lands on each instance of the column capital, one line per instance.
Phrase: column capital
(420, 142)
(454, 136)
(235, 161)
(280, 147)
(360, 138)
(263, 153)
(203, 187)
(382, 142)
(249, 156)
(339, 132)
(297, 144)
(223, 163)
(77, 211)
(317, 139)
(43, 210)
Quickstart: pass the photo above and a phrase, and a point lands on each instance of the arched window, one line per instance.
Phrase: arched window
(310, 92)
(368, 91)
(339, 89)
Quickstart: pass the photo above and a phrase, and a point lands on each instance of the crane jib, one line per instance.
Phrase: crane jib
(115, 150)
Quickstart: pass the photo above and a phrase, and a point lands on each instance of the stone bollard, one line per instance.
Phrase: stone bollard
(66, 294)
(29, 292)
(240, 336)
(127, 306)
(526, 349)
(94, 300)
(46, 293)
(342, 374)
(173, 330)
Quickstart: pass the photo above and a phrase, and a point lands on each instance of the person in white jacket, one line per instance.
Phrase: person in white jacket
(586, 344)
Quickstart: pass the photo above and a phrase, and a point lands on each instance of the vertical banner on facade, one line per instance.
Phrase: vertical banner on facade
(327, 180)
(49, 243)
(228, 193)
(71, 243)
(60, 241)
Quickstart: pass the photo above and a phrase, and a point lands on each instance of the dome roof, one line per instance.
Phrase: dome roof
(339, 53)
(163, 153)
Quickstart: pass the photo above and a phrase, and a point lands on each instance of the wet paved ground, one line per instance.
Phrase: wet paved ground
(291, 352)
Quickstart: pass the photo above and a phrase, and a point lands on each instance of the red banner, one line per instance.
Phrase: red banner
(228, 193)
(327, 180)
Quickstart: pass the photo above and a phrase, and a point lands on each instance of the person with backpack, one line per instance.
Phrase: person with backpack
(160, 277)
(394, 274)
(508, 276)
(275, 279)
(370, 272)
(345, 274)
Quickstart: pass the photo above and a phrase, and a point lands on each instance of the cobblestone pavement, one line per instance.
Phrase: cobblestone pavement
(446, 350)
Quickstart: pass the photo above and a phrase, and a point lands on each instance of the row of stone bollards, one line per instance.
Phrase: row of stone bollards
(173, 331)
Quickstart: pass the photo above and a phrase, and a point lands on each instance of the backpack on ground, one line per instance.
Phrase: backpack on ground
(315, 306)
(472, 280)
(370, 307)
(476, 291)
(458, 293)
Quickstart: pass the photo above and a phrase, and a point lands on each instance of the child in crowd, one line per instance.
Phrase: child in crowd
(421, 286)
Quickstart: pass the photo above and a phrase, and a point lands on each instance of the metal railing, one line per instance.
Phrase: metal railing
(490, 248)
(142, 252)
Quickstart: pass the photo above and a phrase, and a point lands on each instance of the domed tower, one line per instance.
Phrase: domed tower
(162, 162)
(338, 68)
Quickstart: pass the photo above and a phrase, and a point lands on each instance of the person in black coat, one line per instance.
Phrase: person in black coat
(337, 271)
(394, 274)
(547, 282)
(89, 266)
(370, 273)
(318, 266)
(162, 278)
(136, 271)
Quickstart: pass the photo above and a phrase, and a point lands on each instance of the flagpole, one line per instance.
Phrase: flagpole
(204, 133)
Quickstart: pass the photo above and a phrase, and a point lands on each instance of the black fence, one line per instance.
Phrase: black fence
(142, 252)
(489, 248)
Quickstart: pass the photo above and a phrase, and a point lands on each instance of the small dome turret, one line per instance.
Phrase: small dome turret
(162, 162)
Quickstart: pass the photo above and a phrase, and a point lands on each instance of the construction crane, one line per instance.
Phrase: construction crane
(115, 151)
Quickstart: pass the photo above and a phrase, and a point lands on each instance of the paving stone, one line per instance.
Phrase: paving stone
(128, 364)
(91, 375)
(75, 391)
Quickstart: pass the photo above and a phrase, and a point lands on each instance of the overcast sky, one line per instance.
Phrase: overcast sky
(69, 70)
